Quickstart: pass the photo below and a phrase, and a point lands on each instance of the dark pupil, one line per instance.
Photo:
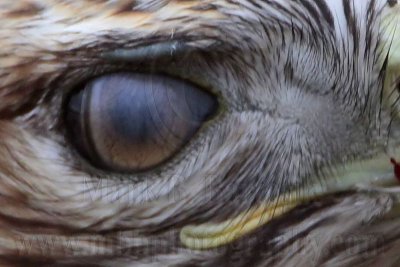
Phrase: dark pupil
(132, 122)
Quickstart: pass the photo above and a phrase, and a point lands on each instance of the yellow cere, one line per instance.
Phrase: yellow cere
(391, 29)
(210, 236)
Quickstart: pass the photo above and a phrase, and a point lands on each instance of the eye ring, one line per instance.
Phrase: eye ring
(131, 122)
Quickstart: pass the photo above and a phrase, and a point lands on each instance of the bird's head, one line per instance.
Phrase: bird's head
(199, 133)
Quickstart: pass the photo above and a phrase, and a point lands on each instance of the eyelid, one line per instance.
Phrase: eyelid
(163, 50)
(150, 52)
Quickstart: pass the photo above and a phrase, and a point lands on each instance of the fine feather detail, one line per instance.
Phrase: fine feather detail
(302, 85)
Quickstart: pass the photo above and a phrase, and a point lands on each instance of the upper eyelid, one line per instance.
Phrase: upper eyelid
(162, 49)
(137, 59)
(149, 52)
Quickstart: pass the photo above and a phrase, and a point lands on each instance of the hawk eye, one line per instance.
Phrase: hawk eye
(133, 122)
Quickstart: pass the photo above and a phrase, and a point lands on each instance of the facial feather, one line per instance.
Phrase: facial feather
(301, 87)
